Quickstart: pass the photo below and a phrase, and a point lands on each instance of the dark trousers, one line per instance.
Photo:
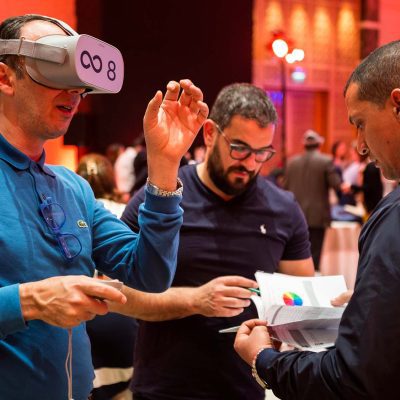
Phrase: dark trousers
(316, 240)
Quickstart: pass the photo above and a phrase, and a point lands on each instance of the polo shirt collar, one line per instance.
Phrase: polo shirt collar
(19, 160)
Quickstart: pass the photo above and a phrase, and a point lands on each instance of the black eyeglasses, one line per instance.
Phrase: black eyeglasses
(55, 217)
(242, 151)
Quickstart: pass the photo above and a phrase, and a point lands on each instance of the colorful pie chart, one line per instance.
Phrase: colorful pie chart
(292, 299)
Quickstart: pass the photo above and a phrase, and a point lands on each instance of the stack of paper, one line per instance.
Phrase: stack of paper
(298, 309)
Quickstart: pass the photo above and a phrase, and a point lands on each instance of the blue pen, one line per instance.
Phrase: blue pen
(257, 291)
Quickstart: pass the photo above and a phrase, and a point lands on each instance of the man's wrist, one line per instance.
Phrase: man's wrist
(155, 190)
(11, 319)
(26, 301)
(254, 372)
(162, 173)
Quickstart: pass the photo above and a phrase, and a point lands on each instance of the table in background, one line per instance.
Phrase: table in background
(340, 251)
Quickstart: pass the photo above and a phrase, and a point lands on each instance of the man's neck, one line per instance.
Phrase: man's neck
(204, 177)
(33, 148)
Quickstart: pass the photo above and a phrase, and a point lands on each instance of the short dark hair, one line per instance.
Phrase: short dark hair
(378, 74)
(10, 28)
(245, 100)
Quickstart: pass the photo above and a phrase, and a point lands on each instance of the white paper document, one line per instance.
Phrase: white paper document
(298, 309)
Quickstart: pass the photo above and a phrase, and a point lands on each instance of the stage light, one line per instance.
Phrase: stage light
(280, 48)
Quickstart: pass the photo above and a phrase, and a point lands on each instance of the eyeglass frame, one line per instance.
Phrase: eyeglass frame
(60, 237)
(234, 146)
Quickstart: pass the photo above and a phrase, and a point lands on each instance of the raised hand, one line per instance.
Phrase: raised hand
(66, 301)
(170, 127)
(225, 296)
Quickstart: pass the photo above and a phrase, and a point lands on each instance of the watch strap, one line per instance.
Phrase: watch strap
(153, 189)
(254, 372)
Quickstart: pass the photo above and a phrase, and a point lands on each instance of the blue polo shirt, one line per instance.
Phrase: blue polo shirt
(32, 355)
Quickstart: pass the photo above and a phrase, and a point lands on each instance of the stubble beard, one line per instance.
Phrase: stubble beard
(220, 178)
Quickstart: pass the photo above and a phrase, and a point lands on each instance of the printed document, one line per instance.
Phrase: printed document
(298, 309)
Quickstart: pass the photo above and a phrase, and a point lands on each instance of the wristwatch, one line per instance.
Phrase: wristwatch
(153, 189)
(254, 372)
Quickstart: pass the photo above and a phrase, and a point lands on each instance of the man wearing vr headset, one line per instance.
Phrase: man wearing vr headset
(53, 233)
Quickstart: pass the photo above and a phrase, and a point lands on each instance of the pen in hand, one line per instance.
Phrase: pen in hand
(257, 291)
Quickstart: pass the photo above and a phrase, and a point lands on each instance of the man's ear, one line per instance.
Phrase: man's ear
(209, 131)
(7, 79)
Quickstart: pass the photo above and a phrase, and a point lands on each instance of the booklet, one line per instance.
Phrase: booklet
(298, 309)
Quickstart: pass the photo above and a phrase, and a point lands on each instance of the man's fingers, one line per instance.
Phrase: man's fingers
(186, 97)
(151, 114)
(342, 299)
(235, 280)
(236, 292)
(100, 291)
(249, 325)
(234, 286)
(234, 302)
(172, 92)
(191, 96)
(197, 97)
(190, 89)
(203, 112)
(97, 307)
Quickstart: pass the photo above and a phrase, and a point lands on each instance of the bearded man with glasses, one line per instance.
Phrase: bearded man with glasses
(235, 222)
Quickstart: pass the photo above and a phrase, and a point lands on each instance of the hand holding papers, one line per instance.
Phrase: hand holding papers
(298, 309)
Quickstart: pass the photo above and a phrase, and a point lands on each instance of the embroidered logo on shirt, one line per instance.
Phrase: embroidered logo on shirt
(81, 223)
(263, 229)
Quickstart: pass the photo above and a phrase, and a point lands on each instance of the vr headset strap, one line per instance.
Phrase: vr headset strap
(28, 48)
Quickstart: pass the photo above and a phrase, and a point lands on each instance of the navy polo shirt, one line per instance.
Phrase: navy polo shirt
(188, 358)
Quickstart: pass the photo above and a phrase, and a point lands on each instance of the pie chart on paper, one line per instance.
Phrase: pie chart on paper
(292, 299)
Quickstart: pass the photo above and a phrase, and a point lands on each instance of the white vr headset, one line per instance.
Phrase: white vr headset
(67, 62)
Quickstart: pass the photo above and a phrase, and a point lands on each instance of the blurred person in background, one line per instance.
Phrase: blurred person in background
(98, 171)
(113, 151)
(351, 174)
(198, 155)
(340, 155)
(349, 206)
(370, 187)
(309, 176)
(124, 167)
(112, 336)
